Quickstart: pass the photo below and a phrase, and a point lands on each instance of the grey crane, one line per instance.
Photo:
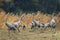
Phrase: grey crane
(32, 24)
(12, 26)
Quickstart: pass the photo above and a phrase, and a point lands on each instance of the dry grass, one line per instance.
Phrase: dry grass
(26, 35)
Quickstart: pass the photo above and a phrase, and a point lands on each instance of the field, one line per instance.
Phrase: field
(27, 34)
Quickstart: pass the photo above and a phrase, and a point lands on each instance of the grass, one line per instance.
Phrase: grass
(58, 36)
(26, 35)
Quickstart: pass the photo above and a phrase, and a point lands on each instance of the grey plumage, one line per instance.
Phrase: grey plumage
(32, 24)
(12, 26)
(39, 24)
(53, 22)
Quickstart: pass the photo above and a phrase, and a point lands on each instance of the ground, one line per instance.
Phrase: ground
(28, 34)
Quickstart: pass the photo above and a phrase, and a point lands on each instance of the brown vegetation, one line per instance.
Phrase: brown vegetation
(26, 19)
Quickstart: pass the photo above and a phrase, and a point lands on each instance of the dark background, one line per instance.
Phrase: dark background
(46, 6)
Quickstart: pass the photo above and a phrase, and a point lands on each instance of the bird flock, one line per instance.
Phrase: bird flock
(35, 23)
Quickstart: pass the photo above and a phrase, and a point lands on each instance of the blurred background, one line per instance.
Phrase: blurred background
(46, 6)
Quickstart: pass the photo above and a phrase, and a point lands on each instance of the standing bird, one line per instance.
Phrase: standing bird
(18, 23)
(12, 26)
(39, 23)
(53, 22)
(32, 24)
